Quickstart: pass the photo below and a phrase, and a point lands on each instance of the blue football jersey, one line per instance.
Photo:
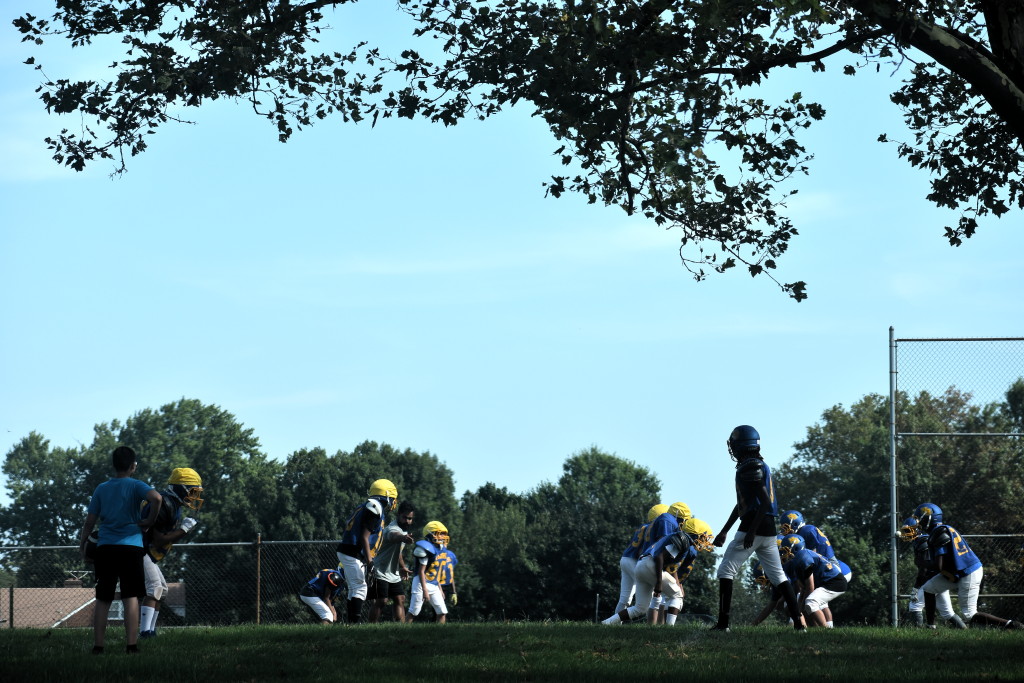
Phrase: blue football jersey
(817, 541)
(680, 549)
(663, 525)
(945, 540)
(751, 475)
(633, 549)
(807, 562)
(362, 518)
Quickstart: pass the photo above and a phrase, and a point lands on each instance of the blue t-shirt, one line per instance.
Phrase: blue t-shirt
(118, 505)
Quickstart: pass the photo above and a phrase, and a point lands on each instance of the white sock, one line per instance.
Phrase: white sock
(146, 618)
(613, 619)
(670, 619)
(829, 624)
(152, 621)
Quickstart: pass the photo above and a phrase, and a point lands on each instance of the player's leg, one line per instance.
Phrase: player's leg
(156, 588)
(355, 579)
(627, 582)
(416, 604)
(672, 598)
(735, 556)
(768, 554)
(436, 597)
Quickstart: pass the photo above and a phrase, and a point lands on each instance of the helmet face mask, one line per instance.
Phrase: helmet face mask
(789, 546)
(437, 533)
(910, 530)
(792, 521)
(190, 496)
(700, 533)
(744, 442)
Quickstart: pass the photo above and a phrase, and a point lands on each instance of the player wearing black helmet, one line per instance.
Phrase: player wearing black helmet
(756, 509)
(320, 592)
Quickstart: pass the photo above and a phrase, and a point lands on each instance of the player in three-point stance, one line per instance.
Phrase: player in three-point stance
(958, 569)
(182, 498)
(756, 509)
(320, 592)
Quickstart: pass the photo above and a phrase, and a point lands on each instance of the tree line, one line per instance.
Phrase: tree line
(544, 553)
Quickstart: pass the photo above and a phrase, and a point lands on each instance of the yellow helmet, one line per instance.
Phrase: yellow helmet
(438, 531)
(680, 511)
(656, 512)
(385, 489)
(187, 485)
(700, 533)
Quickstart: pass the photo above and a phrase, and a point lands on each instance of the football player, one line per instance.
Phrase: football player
(665, 524)
(910, 532)
(360, 541)
(958, 569)
(658, 569)
(446, 575)
(819, 580)
(627, 563)
(756, 509)
(425, 581)
(320, 592)
(815, 540)
(182, 498)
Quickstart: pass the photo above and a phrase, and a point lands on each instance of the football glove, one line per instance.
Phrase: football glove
(455, 599)
(188, 524)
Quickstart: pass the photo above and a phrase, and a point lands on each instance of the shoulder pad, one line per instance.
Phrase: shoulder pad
(939, 537)
(750, 470)
(419, 551)
(374, 507)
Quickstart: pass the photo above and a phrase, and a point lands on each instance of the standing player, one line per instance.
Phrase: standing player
(183, 493)
(756, 509)
(320, 592)
(356, 551)
(424, 583)
(958, 569)
(446, 574)
(389, 566)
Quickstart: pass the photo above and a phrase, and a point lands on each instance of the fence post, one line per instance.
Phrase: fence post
(259, 551)
(10, 607)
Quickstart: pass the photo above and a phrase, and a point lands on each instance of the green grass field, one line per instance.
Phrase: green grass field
(562, 652)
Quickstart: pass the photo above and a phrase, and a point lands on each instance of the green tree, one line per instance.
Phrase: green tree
(839, 479)
(655, 103)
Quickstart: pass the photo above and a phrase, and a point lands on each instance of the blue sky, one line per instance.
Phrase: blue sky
(410, 284)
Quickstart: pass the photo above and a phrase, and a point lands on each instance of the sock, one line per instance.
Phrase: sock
(355, 607)
(670, 619)
(613, 619)
(724, 601)
(152, 621)
(829, 624)
(146, 618)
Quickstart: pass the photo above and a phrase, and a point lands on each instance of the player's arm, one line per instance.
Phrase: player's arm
(764, 501)
(87, 527)
(733, 516)
(155, 500)
(659, 568)
(364, 542)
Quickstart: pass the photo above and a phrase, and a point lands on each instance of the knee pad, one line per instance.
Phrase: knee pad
(674, 602)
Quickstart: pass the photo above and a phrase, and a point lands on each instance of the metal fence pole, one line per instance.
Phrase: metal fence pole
(259, 552)
(894, 580)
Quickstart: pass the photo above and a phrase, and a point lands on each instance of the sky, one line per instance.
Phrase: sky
(410, 284)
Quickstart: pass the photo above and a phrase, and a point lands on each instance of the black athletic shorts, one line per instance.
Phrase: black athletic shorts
(120, 563)
(381, 590)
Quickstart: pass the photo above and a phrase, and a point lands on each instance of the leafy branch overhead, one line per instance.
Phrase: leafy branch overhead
(655, 105)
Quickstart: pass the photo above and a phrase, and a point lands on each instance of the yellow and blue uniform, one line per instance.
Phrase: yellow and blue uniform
(816, 541)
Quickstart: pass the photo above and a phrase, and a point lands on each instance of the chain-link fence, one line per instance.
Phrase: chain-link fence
(209, 584)
(956, 421)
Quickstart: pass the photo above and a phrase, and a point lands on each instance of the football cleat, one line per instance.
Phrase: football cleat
(792, 520)
(699, 532)
(789, 546)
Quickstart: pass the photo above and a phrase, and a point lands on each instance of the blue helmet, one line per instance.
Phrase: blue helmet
(789, 546)
(743, 440)
(792, 520)
(929, 516)
(910, 530)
